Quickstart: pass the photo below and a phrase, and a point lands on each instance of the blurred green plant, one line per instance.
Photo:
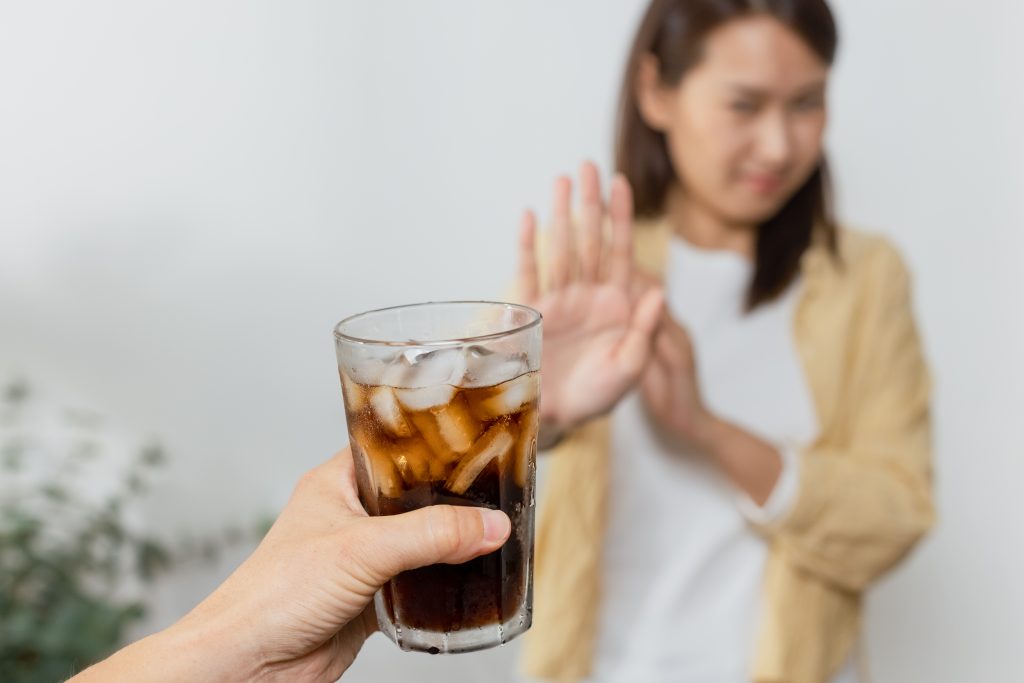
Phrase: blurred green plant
(64, 560)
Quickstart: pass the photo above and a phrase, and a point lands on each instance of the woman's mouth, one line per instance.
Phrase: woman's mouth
(764, 183)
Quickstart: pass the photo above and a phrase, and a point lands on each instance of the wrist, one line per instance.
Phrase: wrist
(550, 432)
(553, 424)
(207, 648)
(708, 431)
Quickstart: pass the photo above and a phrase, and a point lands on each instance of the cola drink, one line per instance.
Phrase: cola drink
(455, 425)
(474, 448)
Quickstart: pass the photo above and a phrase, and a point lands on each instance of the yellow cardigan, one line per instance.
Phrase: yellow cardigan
(864, 496)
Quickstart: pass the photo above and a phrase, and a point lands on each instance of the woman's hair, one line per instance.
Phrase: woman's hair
(674, 31)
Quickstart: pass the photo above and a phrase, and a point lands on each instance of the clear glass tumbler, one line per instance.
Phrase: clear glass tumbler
(441, 401)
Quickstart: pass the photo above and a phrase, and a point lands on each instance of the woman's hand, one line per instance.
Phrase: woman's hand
(672, 395)
(298, 609)
(670, 388)
(596, 342)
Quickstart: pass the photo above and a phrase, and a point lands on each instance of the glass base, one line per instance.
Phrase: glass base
(454, 642)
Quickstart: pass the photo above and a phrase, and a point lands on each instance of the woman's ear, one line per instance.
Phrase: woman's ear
(653, 98)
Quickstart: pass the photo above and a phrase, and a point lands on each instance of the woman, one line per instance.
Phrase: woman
(732, 469)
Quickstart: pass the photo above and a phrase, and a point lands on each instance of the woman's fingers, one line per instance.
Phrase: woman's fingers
(635, 346)
(639, 283)
(654, 383)
(674, 344)
(620, 253)
(589, 237)
(587, 254)
(561, 260)
(529, 287)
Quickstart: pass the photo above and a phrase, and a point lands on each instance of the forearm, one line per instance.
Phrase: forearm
(751, 463)
(183, 652)
(859, 512)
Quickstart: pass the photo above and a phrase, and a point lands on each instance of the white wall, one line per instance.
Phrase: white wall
(192, 193)
(929, 102)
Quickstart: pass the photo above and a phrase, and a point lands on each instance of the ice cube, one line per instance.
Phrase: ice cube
(413, 355)
(440, 366)
(495, 443)
(425, 398)
(389, 412)
(395, 373)
(364, 478)
(487, 368)
(426, 424)
(526, 447)
(439, 468)
(399, 368)
(509, 397)
(353, 392)
(412, 457)
(372, 366)
(417, 368)
(449, 429)
(383, 473)
(458, 427)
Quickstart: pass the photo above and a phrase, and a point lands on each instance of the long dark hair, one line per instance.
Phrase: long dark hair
(673, 31)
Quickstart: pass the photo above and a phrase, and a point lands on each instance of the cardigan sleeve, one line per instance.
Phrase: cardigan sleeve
(860, 507)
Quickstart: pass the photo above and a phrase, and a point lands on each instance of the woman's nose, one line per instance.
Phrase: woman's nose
(774, 140)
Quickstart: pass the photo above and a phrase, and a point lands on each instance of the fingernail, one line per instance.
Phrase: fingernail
(496, 525)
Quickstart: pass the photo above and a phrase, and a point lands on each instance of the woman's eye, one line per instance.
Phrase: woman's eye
(809, 104)
(743, 106)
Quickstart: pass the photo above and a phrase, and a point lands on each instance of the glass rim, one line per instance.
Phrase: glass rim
(535, 320)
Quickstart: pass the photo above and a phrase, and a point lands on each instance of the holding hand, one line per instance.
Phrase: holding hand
(298, 609)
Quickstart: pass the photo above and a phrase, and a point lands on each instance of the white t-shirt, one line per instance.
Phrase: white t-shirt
(682, 565)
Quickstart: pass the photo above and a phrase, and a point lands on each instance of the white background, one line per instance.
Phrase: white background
(192, 193)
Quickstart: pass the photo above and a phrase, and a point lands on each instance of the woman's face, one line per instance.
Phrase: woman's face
(744, 126)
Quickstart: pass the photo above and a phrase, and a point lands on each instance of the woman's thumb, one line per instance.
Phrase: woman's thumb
(636, 344)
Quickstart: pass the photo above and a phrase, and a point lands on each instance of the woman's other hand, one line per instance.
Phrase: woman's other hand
(671, 392)
(670, 387)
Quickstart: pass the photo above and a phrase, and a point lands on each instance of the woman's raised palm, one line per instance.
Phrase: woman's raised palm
(597, 337)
